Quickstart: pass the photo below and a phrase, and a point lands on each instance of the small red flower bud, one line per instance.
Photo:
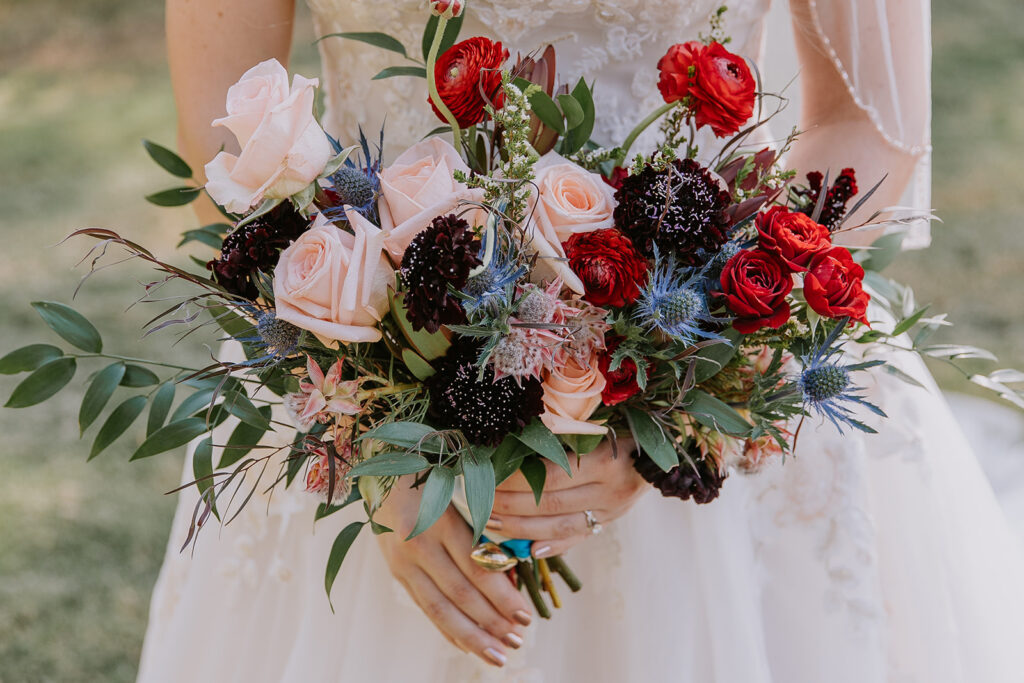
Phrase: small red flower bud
(446, 9)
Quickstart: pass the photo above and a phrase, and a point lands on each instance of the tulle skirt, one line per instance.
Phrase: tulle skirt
(861, 559)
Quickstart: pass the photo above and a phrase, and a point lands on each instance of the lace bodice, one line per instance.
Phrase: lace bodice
(615, 43)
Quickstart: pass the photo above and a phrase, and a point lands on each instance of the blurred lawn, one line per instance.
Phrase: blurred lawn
(81, 84)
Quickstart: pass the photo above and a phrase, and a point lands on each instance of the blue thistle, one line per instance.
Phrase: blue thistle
(675, 303)
(827, 387)
(491, 286)
(271, 339)
(357, 183)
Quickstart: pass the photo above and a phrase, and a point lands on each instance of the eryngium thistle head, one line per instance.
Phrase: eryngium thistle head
(700, 481)
(256, 246)
(675, 304)
(824, 382)
(438, 258)
(279, 337)
(680, 209)
(485, 410)
(352, 187)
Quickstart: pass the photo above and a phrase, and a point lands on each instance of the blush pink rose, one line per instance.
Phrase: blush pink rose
(334, 283)
(572, 392)
(283, 147)
(569, 200)
(417, 188)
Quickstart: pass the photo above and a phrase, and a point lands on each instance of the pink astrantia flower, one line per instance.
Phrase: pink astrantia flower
(322, 396)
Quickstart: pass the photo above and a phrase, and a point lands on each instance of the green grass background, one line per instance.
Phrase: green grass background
(81, 83)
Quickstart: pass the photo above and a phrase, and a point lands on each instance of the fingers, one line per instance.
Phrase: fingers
(451, 621)
(558, 546)
(566, 501)
(498, 588)
(543, 526)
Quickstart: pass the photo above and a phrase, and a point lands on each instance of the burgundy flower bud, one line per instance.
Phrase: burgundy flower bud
(446, 9)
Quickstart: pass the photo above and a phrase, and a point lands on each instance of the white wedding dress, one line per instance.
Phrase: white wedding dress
(864, 559)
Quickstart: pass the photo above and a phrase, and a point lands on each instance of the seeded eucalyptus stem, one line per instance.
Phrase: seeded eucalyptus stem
(641, 127)
(435, 97)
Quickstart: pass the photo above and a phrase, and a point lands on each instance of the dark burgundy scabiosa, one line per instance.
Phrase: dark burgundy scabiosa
(680, 209)
(439, 257)
(834, 209)
(700, 481)
(485, 410)
(256, 246)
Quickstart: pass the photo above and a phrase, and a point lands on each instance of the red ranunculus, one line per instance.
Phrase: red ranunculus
(609, 266)
(792, 236)
(721, 89)
(621, 382)
(755, 284)
(833, 286)
(464, 74)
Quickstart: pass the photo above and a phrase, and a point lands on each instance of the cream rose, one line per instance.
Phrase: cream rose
(417, 188)
(333, 283)
(283, 147)
(569, 200)
(571, 395)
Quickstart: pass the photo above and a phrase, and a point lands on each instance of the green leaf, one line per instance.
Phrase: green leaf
(884, 251)
(420, 368)
(232, 323)
(547, 111)
(168, 160)
(136, 376)
(392, 464)
(170, 436)
(451, 34)
(381, 40)
(195, 402)
(437, 493)
(538, 437)
(426, 344)
(507, 457)
(409, 435)
(211, 235)
(239, 405)
(162, 400)
(576, 138)
(119, 420)
(99, 393)
(393, 71)
(70, 325)
(711, 359)
(342, 542)
(573, 111)
(715, 414)
(46, 381)
(651, 439)
(906, 324)
(536, 473)
(581, 444)
(958, 352)
(176, 196)
(243, 439)
(478, 480)
(27, 358)
(202, 468)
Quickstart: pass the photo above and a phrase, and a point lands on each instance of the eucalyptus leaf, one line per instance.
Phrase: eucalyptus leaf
(651, 439)
(43, 383)
(409, 435)
(537, 436)
(478, 480)
(202, 468)
(392, 464)
(381, 40)
(98, 394)
(119, 420)
(507, 458)
(536, 474)
(176, 196)
(195, 402)
(168, 160)
(244, 437)
(342, 542)
(239, 405)
(393, 71)
(160, 407)
(716, 414)
(71, 325)
(437, 493)
(136, 376)
(170, 436)
(28, 358)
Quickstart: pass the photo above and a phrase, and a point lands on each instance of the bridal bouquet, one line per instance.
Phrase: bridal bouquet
(470, 310)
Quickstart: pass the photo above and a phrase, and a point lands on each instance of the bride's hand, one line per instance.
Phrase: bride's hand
(478, 611)
(607, 486)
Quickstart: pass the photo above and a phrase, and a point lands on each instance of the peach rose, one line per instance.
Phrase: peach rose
(570, 200)
(417, 188)
(572, 393)
(283, 147)
(333, 283)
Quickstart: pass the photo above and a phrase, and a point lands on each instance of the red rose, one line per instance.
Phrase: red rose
(464, 74)
(609, 266)
(621, 382)
(833, 286)
(721, 89)
(792, 236)
(755, 284)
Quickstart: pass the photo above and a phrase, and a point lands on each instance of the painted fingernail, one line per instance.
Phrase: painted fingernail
(493, 523)
(523, 617)
(513, 640)
(494, 657)
(542, 552)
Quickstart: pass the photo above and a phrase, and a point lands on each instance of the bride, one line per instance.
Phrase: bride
(863, 559)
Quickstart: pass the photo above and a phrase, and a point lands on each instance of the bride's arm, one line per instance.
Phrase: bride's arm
(839, 132)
